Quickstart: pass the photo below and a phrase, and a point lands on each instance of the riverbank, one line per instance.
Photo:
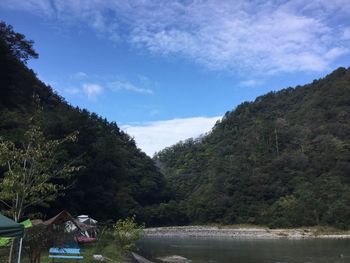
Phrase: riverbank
(245, 232)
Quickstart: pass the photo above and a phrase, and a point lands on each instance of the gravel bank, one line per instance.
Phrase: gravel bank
(245, 232)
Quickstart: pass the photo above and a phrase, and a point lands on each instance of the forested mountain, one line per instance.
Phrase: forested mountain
(282, 160)
(117, 179)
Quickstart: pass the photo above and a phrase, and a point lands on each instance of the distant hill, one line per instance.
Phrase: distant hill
(118, 180)
(282, 160)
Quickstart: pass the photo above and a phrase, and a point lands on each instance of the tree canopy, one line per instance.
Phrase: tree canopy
(282, 160)
(118, 179)
(16, 43)
(31, 171)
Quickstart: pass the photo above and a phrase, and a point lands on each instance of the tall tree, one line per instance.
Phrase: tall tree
(32, 170)
(16, 43)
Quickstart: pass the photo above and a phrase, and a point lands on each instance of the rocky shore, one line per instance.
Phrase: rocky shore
(242, 232)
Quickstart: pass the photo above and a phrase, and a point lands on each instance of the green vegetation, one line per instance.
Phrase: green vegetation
(114, 243)
(117, 179)
(126, 232)
(282, 161)
(31, 170)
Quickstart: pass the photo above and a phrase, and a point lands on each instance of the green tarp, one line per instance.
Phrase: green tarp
(6, 241)
(9, 228)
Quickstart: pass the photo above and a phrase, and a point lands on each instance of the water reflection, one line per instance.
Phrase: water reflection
(247, 251)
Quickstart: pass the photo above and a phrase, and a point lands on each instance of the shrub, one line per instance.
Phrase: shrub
(126, 233)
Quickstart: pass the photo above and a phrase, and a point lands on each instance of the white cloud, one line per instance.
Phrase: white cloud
(72, 91)
(41, 7)
(264, 36)
(125, 85)
(92, 90)
(80, 75)
(93, 85)
(155, 136)
(251, 83)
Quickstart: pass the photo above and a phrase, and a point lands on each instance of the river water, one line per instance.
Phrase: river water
(218, 250)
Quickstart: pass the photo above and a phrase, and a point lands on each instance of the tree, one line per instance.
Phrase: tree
(126, 233)
(31, 171)
(16, 43)
(282, 160)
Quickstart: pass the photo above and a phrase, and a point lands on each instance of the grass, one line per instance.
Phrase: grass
(105, 246)
(113, 244)
(109, 251)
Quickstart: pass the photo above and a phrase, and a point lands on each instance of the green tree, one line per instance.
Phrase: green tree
(282, 160)
(16, 43)
(31, 170)
(126, 233)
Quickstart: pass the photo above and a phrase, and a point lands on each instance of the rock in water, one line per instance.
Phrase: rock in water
(175, 259)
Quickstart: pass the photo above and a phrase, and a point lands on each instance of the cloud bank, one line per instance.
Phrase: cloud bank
(124, 85)
(81, 83)
(155, 136)
(263, 36)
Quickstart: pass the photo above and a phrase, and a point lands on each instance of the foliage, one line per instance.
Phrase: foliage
(104, 246)
(165, 214)
(36, 240)
(126, 232)
(118, 180)
(19, 47)
(282, 160)
(286, 151)
(30, 171)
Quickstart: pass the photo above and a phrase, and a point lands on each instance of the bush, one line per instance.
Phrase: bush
(126, 233)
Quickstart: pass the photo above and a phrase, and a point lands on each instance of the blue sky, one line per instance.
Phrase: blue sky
(167, 70)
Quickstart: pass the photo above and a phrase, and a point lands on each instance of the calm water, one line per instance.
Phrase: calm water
(247, 251)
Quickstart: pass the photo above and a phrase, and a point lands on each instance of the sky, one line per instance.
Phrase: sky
(168, 70)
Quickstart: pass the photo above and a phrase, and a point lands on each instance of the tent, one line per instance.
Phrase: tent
(64, 227)
(86, 220)
(6, 241)
(9, 228)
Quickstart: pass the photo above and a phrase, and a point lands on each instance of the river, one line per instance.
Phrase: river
(227, 250)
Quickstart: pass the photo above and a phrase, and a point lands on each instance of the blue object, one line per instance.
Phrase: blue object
(65, 253)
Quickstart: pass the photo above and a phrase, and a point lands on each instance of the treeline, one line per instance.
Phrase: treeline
(117, 179)
(282, 161)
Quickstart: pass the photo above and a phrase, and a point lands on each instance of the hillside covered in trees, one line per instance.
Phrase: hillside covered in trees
(282, 160)
(116, 180)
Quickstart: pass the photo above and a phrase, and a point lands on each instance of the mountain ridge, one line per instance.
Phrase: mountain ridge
(118, 180)
(258, 161)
